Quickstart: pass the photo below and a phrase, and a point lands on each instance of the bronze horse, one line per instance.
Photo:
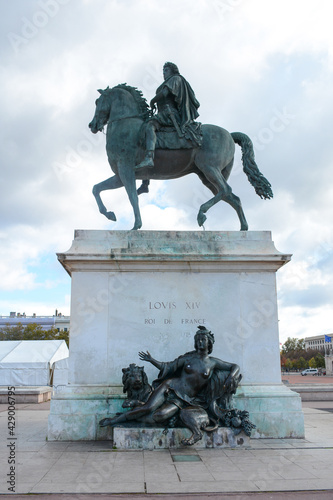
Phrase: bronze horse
(125, 110)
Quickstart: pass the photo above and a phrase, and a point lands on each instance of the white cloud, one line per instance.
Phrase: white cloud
(40, 308)
(300, 323)
(248, 62)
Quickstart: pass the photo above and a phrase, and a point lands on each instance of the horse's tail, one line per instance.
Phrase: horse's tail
(259, 182)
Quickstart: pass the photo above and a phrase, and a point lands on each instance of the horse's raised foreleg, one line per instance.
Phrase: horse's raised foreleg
(224, 193)
(111, 183)
(127, 177)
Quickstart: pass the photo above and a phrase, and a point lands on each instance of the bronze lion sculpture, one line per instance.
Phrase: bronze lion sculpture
(135, 384)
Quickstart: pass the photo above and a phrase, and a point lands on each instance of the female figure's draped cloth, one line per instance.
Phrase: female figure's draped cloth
(212, 395)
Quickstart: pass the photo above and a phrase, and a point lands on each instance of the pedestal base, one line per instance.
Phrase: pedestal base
(149, 290)
(274, 409)
(137, 438)
(75, 413)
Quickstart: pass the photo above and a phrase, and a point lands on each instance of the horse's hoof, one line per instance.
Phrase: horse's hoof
(201, 219)
(244, 227)
(137, 225)
(111, 216)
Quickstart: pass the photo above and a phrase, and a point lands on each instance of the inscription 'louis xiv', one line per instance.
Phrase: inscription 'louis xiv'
(162, 305)
(172, 305)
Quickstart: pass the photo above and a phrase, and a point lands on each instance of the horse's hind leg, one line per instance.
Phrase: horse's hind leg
(111, 183)
(224, 193)
(227, 170)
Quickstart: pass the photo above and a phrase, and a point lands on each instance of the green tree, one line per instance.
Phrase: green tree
(294, 364)
(288, 364)
(312, 363)
(302, 363)
(32, 331)
(12, 332)
(312, 353)
(320, 361)
(293, 345)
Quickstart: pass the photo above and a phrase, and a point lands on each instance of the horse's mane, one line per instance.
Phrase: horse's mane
(138, 98)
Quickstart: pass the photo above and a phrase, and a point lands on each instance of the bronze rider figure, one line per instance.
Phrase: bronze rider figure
(177, 107)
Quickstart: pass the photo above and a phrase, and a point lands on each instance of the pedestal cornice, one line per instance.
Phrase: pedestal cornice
(179, 251)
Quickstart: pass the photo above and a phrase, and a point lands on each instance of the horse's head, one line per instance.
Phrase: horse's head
(118, 103)
(102, 111)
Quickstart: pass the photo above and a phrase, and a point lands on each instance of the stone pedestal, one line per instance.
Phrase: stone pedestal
(149, 290)
(138, 438)
(329, 363)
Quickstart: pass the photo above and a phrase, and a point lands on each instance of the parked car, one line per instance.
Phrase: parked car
(310, 371)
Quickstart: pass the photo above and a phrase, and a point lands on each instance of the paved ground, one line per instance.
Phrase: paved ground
(292, 468)
(283, 495)
(294, 378)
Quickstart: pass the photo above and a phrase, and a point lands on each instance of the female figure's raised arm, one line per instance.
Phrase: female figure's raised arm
(146, 356)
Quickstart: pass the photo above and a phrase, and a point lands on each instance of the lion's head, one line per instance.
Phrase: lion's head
(135, 384)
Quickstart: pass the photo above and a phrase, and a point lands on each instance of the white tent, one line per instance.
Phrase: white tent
(60, 374)
(30, 362)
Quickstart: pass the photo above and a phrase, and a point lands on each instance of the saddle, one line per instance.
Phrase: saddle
(168, 137)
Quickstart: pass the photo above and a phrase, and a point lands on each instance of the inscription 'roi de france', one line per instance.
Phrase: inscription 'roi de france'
(183, 321)
(172, 305)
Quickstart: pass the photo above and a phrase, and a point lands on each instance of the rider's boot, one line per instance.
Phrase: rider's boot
(147, 162)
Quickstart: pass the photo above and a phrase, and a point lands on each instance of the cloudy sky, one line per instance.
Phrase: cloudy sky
(262, 67)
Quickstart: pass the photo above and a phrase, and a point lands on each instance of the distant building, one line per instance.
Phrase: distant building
(318, 342)
(322, 342)
(58, 321)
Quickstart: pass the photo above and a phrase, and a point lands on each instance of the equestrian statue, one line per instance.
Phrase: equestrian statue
(144, 144)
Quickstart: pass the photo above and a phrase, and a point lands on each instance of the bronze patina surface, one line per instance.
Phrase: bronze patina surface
(195, 389)
(133, 134)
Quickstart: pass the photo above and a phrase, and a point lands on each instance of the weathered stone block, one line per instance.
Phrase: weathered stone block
(140, 438)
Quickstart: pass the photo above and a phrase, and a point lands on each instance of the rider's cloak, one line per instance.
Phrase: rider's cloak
(184, 96)
(186, 105)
